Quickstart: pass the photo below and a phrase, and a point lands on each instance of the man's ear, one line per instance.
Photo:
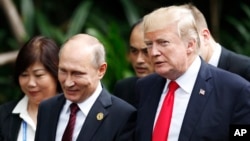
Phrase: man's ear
(102, 70)
(191, 46)
(205, 33)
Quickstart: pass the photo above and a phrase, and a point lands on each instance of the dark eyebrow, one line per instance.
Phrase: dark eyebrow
(141, 49)
(42, 69)
(132, 47)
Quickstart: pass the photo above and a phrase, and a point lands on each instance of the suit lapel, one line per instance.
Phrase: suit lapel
(15, 126)
(197, 102)
(150, 106)
(96, 116)
(55, 116)
(224, 58)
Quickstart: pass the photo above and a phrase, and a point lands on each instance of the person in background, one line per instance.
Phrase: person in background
(214, 53)
(98, 115)
(202, 101)
(36, 74)
(138, 56)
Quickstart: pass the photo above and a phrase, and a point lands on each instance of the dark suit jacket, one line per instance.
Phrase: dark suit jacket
(235, 63)
(9, 123)
(207, 118)
(125, 89)
(118, 123)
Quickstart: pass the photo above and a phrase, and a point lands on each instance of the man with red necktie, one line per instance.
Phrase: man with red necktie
(208, 99)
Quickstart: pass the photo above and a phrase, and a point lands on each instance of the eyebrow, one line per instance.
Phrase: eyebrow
(137, 48)
(40, 69)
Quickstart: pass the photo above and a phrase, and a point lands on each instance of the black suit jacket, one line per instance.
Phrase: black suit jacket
(235, 63)
(118, 123)
(9, 123)
(207, 118)
(125, 89)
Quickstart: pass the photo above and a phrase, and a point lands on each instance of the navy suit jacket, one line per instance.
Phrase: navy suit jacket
(118, 123)
(125, 89)
(9, 123)
(235, 63)
(226, 101)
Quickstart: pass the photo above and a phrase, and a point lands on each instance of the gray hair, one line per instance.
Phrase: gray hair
(99, 55)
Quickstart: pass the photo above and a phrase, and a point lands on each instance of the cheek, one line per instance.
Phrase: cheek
(132, 57)
(61, 77)
(48, 87)
(22, 82)
(46, 82)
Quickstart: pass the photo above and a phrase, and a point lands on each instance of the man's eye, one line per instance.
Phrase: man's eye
(164, 43)
(145, 51)
(133, 50)
(149, 45)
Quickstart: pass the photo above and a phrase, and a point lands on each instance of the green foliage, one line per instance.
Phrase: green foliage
(47, 29)
(130, 11)
(238, 38)
(87, 17)
(28, 11)
(118, 66)
(79, 17)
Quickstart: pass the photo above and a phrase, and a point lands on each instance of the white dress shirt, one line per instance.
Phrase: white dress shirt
(182, 96)
(214, 60)
(84, 106)
(28, 127)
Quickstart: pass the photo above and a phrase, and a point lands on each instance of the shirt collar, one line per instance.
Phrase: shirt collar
(86, 105)
(21, 109)
(190, 75)
(214, 60)
(21, 106)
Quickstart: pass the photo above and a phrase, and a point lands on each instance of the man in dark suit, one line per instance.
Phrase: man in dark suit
(215, 54)
(138, 56)
(208, 99)
(101, 116)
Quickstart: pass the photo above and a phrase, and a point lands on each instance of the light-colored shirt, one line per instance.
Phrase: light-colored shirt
(182, 96)
(214, 60)
(28, 127)
(84, 106)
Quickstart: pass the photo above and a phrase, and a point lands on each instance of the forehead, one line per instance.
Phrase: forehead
(75, 62)
(76, 48)
(137, 38)
(74, 51)
(167, 32)
(136, 35)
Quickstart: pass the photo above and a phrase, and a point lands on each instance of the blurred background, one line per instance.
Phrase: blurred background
(110, 22)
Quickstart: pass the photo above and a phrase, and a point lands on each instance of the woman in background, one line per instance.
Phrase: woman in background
(36, 74)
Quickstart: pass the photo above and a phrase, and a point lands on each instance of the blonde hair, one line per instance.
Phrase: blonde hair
(198, 16)
(181, 17)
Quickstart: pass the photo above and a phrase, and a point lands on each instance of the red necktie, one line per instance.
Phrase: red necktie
(68, 133)
(163, 122)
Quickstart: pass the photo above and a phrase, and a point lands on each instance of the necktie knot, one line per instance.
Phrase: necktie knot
(173, 86)
(74, 108)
